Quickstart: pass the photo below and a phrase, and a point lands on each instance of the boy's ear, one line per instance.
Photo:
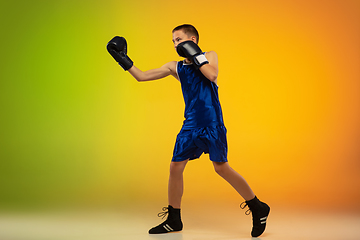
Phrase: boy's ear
(193, 38)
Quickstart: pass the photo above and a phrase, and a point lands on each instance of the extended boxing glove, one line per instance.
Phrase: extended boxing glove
(117, 48)
(191, 51)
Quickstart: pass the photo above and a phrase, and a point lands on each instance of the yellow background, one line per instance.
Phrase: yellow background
(76, 130)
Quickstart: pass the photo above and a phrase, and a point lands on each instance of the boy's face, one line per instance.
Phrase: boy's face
(179, 36)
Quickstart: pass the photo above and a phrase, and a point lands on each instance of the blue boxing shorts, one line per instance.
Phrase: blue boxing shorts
(192, 143)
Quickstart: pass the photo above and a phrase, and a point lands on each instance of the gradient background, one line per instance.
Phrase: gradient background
(76, 130)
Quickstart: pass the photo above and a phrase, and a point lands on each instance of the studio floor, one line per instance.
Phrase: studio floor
(207, 223)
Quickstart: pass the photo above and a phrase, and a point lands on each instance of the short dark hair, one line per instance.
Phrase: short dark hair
(189, 30)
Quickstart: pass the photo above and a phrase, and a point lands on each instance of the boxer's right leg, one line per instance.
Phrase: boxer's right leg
(176, 183)
(175, 191)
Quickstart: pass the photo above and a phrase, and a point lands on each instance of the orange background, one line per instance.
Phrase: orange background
(78, 130)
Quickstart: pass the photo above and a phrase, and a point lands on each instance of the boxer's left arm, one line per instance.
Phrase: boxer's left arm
(207, 64)
(210, 70)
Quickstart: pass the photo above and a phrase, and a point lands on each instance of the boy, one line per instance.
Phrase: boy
(203, 130)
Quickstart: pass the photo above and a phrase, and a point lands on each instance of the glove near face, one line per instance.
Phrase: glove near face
(191, 51)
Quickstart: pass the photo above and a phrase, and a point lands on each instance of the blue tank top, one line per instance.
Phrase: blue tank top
(202, 105)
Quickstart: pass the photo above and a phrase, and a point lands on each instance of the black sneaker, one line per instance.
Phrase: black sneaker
(260, 212)
(173, 222)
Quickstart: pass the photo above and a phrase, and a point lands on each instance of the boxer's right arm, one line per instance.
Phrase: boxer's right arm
(154, 74)
(117, 47)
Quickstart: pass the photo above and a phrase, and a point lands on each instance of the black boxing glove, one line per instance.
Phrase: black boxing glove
(191, 51)
(117, 48)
